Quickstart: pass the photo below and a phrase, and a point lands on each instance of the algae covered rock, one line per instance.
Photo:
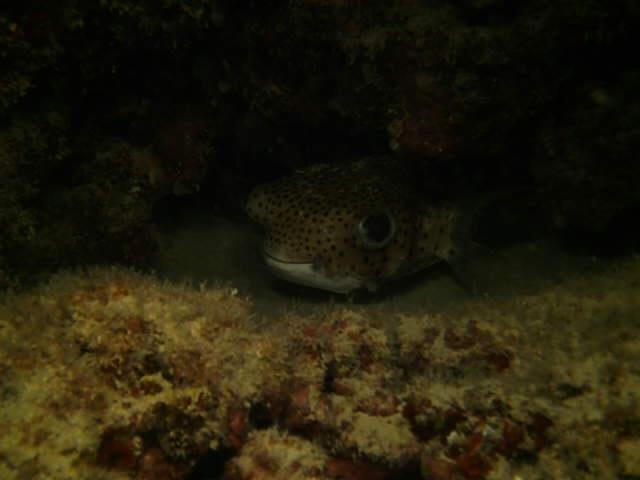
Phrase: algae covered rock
(113, 374)
(270, 454)
(115, 359)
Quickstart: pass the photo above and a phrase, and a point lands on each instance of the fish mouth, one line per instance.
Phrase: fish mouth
(307, 273)
(271, 255)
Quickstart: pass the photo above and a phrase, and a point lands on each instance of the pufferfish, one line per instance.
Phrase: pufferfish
(353, 226)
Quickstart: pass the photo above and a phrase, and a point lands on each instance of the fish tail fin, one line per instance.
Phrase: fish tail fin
(466, 248)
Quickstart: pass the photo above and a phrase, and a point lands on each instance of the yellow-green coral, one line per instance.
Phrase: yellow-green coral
(109, 373)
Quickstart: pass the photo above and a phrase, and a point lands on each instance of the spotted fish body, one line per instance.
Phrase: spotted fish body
(350, 226)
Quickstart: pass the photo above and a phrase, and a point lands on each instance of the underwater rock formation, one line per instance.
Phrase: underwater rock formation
(111, 374)
(107, 106)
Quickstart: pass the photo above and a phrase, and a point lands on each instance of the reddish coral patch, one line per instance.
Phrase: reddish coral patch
(116, 450)
(342, 388)
(134, 324)
(380, 405)
(154, 465)
(238, 427)
(298, 405)
(457, 341)
(538, 430)
(473, 465)
(512, 437)
(499, 360)
(356, 470)
(438, 469)
(311, 331)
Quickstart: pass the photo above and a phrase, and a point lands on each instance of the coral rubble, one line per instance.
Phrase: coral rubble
(111, 374)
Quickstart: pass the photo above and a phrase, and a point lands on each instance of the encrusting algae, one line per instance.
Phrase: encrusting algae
(110, 374)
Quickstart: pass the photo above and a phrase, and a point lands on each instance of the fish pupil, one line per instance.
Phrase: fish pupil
(376, 230)
(377, 227)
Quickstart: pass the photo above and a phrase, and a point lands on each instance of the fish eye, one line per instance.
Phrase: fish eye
(376, 230)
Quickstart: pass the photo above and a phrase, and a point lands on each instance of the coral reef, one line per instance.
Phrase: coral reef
(108, 107)
(56, 213)
(111, 374)
(85, 154)
(587, 153)
(538, 93)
